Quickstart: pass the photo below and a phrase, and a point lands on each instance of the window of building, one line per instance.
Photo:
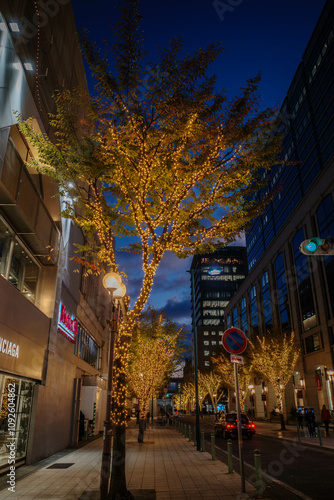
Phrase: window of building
(266, 299)
(235, 317)
(206, 353)
(86, 348)
(282, 292)
(205, 332)
(253, 307)
(244, 327)
(228, 321)
(304, 283)
(220, 332)
(220, 342)
(17, 264)
(325, 218)
(312, 343)
(213, 342)
(213, 332)
(206, 342)
(206, 363)
(212, 322)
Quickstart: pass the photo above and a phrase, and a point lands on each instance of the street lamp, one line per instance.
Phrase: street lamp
(198, 432)
(117, 290)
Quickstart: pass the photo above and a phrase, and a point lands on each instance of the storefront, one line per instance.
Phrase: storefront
(24, 331)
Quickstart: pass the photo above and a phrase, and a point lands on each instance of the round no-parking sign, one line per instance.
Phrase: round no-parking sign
(234, 340)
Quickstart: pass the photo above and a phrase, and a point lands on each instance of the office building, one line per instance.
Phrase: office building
(217, 276)
(53, 334)
(285, 289)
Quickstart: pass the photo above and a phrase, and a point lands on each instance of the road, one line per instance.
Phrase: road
(291, 471)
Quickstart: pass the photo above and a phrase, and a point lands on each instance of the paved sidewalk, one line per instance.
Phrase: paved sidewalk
(166, 466)
(291, 433)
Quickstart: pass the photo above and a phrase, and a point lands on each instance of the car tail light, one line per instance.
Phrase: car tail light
(252, 426)
(230, 426)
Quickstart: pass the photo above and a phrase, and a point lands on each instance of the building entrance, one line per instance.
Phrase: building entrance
(15, 410)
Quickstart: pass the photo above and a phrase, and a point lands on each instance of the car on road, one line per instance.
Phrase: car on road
(227, 426)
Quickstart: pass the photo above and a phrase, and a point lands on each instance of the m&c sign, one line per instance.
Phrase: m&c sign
(67, 326)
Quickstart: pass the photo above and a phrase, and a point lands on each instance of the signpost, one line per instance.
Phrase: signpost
(235, 342)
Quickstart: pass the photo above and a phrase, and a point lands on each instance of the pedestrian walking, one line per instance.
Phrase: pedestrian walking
(300, 419)
(325, 418)
(310, 420)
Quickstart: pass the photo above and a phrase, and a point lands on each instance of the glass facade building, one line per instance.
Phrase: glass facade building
(285, 290)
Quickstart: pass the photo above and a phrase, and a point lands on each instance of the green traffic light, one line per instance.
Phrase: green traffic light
(314, 244)
(311, 246)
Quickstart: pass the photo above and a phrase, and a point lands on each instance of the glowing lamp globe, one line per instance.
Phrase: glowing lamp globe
(120, 292)
(112, 281)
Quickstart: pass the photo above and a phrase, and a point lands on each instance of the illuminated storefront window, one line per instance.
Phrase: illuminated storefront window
(86, 348)
(17, 394)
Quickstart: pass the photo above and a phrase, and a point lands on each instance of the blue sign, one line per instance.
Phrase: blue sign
(234, 340)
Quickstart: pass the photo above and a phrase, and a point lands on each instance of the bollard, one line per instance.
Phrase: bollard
(202, 441)
(213, 446)
(195, 442)
(298, 432)
(258, 474)
(185, 430)
(189, 432)
(320, 436)
(229, 456)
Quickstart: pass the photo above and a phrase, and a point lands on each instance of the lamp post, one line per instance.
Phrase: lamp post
(117, 290)
(198, 432)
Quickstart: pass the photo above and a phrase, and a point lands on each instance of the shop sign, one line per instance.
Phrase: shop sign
(9, 348)
(67, 326)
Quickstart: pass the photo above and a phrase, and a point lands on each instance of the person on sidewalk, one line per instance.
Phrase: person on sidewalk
(300, 419)
(310, 420)
(325, 418)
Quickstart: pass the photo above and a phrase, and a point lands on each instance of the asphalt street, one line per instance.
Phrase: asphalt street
(290, 470)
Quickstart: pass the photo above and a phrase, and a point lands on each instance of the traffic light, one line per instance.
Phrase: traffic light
(317, 246)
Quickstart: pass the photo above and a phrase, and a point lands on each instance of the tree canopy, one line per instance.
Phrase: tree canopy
(163, 157)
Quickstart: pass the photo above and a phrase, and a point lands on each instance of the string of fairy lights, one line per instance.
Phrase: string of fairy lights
(38, 56)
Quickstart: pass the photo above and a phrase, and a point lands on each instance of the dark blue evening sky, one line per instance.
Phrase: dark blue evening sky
(257, 35)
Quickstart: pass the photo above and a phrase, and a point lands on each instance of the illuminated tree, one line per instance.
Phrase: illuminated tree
(212, 384)
(154, 353)
(226, 369)
(161, 156)
(275, 356)
(188, 395)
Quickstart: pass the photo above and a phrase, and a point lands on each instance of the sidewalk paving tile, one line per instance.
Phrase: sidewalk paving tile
(166, 462)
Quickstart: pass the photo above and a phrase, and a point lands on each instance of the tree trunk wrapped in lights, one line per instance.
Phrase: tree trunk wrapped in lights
(159, 155)
(274, 356)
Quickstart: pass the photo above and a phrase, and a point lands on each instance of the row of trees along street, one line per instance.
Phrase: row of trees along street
(161, 156)
(157, 348)
(273, 357)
